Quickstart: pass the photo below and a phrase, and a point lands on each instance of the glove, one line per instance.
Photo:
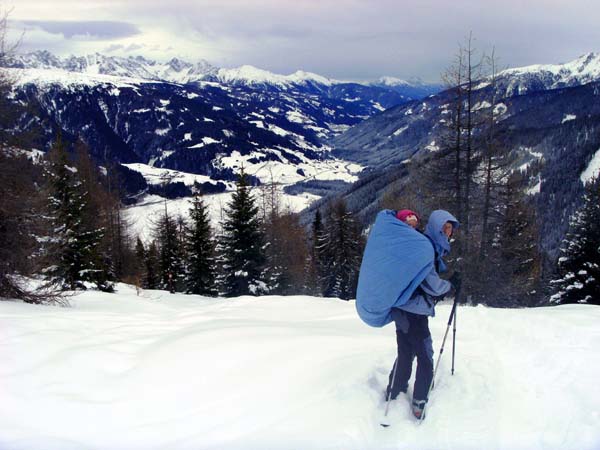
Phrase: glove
(455, 281)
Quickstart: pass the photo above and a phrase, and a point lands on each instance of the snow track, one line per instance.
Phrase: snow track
(165, 371)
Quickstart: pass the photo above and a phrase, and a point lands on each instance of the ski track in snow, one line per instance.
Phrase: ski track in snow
(164, 371)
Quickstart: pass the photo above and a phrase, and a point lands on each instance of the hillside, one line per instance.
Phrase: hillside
(547, 123)
(162, 371)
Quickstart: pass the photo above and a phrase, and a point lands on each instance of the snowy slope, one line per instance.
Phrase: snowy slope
(165, 371)
(143, 216)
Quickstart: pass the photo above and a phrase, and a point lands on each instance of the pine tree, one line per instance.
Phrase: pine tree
(200, 273)
(138, 273)
(313, 265)
(340, 248)
(579, 265)
(243, 244)
(95, 216)
(170, 253)
(151, 267)
(72, 247)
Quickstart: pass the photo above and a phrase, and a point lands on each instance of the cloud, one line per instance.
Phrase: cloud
(350, 39)
(89, 29)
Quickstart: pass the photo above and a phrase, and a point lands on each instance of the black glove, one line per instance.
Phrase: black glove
(455, 281)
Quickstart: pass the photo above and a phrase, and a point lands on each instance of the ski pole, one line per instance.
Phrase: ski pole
(452, 314)
(453, 339)
(384, 422)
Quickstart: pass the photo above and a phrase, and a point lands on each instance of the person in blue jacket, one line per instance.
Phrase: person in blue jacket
(411, 319)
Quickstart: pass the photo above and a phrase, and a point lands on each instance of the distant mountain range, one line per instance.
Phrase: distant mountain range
(183, 72)
(198, 118)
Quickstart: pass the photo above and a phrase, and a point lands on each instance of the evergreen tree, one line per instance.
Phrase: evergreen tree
(579, 265)
(151, 268)
(340, 248)
(139, 272)
(170, 253)
(243, 244)
(200, 273)
(313, 266)
(72, 246)
(95, 215)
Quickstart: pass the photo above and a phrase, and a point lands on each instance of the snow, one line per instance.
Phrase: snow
(205, 141)
(568, 118)
(166, 371)
(592, 170)
(45, 77)
(162, 131)
(392, 82)
(400, 130)
(278, 130)
(482, 105)
(535, 189)
(582, 70)
(143, 216)
(296, 116)
(252, 75)
(285, 173)
(156, 175)
(500, 109)
(432, 147)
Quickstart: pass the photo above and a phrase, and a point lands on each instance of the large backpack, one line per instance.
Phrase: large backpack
(397, 259)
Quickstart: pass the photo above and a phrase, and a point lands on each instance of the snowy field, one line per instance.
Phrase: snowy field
(164, 371)
(143, 216)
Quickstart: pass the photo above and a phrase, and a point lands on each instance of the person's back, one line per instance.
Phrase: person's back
(413, 337)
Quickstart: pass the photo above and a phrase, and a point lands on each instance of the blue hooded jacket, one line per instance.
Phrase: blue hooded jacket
(435, 231)
(433, 286)
(397, 260)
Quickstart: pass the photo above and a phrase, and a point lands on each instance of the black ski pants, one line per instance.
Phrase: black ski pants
(413, 339)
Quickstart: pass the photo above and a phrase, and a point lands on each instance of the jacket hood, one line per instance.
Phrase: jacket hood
(434, 230)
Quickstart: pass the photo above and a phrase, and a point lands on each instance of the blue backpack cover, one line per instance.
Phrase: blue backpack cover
(397, 259)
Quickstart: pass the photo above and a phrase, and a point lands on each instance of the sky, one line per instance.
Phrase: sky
(343, 39)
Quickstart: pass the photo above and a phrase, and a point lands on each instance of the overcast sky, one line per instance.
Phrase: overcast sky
(343, 39)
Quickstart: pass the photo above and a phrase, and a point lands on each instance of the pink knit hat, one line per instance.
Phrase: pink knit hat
(403, 214)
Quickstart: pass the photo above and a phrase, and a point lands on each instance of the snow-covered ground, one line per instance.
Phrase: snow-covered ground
(163, 371)
(143, 215)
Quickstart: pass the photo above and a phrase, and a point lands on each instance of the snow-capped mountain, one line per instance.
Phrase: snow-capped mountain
(183, 72)
(138, 67)
(196, 118)
(548, 118)
(413, 87)
(539, 77)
